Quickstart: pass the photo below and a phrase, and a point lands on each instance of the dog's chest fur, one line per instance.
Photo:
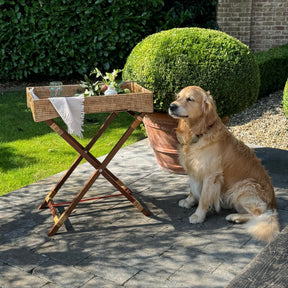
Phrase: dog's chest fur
(198, 157)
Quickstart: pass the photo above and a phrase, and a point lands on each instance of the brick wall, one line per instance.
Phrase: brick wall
(260, 24)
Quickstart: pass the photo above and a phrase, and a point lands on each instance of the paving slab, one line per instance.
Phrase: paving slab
(108, 243)
(16, 277)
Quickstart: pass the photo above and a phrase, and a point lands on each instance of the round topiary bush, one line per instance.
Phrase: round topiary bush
(168, 61)
(285, 99)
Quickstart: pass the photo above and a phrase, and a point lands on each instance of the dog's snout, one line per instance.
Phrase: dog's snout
(173, 107)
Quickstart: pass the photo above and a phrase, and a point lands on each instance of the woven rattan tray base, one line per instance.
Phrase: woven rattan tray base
(140, 100)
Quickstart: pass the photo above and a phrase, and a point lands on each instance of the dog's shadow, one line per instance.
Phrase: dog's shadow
(276, 163)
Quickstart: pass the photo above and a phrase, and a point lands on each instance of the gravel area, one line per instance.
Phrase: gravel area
(262, 124)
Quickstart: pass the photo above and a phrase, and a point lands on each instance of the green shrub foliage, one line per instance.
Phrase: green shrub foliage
(187, 13)
(60, 38)
(168, 61)
(273, 65)
(285, 99)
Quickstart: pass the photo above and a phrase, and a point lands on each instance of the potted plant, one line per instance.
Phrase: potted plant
(107, 85)
(168, 61)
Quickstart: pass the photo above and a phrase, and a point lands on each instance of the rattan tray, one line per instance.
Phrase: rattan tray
(140, 100)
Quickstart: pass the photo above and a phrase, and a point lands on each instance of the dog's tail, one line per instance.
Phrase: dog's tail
(264, 227)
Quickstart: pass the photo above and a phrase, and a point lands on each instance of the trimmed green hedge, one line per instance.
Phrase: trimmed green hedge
(63, 37)
(285, 99)
(187, 13)
(60, 38)
(168, 61)
(273, 65)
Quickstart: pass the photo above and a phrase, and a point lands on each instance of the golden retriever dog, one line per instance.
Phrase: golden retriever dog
(223, 171)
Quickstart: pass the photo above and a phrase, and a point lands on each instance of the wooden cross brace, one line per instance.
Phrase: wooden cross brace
(100, 168)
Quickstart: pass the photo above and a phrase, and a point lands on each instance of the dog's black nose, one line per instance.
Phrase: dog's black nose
(173, 107)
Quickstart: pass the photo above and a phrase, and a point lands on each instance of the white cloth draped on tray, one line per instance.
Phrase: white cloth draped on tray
(71, 110)
(31, 91)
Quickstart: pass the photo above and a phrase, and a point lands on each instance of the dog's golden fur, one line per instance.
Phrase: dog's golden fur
(223, 171)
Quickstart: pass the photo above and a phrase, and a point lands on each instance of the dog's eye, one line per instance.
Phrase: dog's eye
(190, 99)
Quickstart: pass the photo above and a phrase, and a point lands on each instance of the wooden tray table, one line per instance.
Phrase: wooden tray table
(137, 104)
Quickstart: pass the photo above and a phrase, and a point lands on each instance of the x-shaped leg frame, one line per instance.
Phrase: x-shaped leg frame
(101, 168)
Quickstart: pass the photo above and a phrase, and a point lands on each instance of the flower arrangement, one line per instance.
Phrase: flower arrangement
(107, 84)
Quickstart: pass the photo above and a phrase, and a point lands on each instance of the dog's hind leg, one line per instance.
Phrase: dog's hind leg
(262, 220)
(247, 211)
(239, 218)
(194, 195)
(246, 202)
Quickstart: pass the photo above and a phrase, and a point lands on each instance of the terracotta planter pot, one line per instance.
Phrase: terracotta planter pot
(160, 128)
(161, 131)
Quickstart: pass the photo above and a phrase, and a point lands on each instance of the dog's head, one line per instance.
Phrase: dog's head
(193, 103)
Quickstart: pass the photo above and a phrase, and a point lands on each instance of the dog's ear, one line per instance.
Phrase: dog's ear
(207, 104)
(209, 109)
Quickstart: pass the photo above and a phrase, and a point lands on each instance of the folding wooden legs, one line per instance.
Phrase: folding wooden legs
(54, 191)
(101, 168)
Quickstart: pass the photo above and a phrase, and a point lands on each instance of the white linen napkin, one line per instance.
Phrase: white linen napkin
(31, 91)
(71, 110)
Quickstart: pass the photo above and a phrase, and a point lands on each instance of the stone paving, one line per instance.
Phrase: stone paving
(108, 243)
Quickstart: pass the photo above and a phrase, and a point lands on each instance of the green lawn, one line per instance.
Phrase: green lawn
(31, 151)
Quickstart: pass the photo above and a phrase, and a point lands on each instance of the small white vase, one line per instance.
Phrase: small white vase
(110, 90)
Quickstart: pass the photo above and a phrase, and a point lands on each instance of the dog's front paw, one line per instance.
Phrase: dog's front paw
(185, 203)
(195, 219)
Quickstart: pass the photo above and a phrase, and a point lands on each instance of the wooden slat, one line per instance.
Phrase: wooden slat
(268, 269)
